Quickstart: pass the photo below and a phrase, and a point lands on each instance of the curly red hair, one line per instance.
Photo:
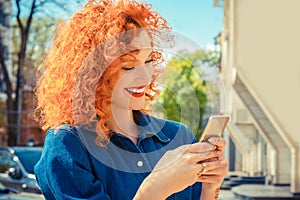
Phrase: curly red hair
(81, 70)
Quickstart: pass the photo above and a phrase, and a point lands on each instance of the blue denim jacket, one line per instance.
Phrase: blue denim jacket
(73, 167)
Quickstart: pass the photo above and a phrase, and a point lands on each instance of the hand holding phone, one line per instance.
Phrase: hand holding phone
(215, 127)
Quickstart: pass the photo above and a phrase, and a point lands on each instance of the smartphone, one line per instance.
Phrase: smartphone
(215, 127)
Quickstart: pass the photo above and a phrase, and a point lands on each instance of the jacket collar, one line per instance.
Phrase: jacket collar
(148, 127)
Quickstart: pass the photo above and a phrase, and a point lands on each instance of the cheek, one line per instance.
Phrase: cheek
(124, 80)
(151, 71)
(119, 86)
(148, 73)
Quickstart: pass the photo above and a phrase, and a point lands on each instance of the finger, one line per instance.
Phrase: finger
(217, 141)
(210, 179)
(220, 156)
(201, 147)
(217, 171)
(211, 155)
(207, 166)
(210, 159)
(195, 158)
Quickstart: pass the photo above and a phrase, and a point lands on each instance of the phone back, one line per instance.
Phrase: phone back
(215, 127)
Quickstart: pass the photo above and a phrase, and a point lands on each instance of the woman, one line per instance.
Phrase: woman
(96, 88)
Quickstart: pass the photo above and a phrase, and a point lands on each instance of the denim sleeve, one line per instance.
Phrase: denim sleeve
(64, 171)
(197, 187)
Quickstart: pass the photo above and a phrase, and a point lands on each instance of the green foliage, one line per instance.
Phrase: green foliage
(41, 31)
(184, 95)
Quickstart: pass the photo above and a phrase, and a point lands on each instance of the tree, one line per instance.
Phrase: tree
(42, 29)
(185, 94)
(26, 11)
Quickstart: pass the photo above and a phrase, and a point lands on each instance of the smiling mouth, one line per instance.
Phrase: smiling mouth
(136, 91)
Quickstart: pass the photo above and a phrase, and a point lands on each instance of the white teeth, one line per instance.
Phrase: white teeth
(135, 90)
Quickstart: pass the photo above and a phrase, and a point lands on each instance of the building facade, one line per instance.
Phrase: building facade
(261, 73)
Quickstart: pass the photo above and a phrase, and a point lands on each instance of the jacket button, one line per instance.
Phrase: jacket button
(140, 163)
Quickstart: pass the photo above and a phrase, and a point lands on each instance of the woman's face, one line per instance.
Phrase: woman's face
(129, 92)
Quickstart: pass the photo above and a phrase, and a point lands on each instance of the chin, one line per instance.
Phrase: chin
(137, 104)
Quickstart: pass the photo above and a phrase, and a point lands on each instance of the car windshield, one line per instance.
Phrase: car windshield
(28, 156)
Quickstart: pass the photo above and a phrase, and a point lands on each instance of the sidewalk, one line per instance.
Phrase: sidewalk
(227, 195)
(257, 192)
(264, 192)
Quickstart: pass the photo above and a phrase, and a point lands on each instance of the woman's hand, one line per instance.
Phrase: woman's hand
(215, 170)
(180, 168)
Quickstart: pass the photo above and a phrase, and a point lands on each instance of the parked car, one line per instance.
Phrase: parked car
(12, 194)
(16, 168)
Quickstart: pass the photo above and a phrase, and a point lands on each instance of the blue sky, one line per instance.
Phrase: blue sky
(198, 20)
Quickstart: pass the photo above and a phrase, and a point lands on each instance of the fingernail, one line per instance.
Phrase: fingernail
(213, 140)
(223, 161)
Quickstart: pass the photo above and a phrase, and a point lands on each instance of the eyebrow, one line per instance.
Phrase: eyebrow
(135, 51)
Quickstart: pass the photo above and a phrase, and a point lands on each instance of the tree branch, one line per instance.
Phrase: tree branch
(18, 16)
(28, 23)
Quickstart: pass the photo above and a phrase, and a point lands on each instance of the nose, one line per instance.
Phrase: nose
(144, 73)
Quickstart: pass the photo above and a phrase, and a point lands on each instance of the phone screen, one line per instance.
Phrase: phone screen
(215, 127)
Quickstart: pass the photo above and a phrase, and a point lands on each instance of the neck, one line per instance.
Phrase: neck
(123, 122)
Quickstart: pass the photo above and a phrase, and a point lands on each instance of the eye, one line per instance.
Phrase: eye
(128, 68)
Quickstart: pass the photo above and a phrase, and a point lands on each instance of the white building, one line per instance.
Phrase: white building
(261, 70)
